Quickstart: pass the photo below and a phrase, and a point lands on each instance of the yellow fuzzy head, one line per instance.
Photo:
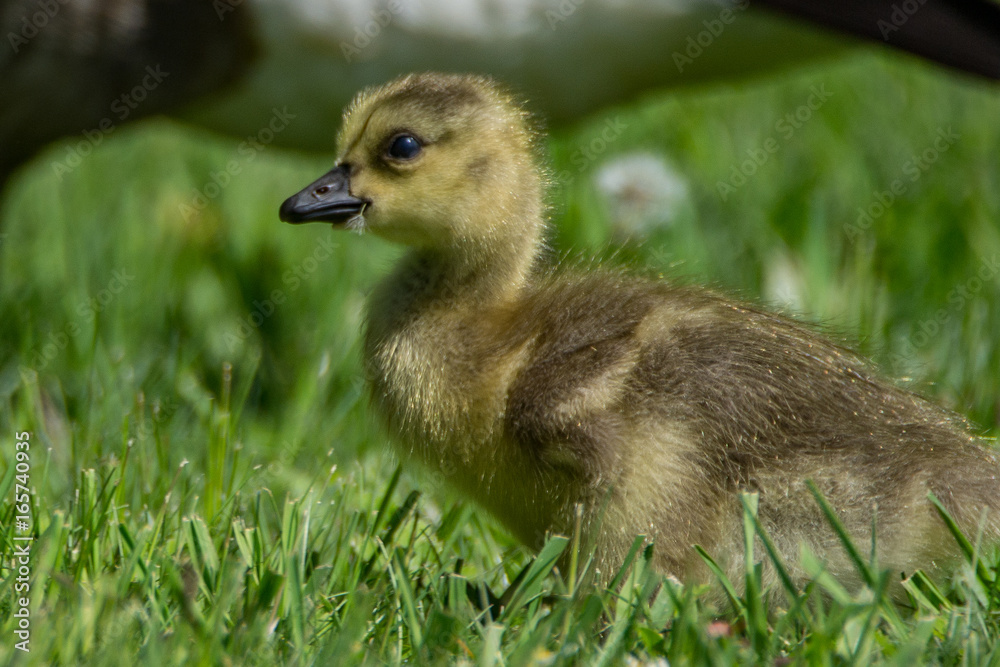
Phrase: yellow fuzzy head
(432, 160)
(471, 150)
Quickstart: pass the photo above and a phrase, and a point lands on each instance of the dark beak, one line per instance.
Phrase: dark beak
(327, 199)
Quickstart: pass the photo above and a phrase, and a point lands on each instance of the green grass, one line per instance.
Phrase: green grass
(206, 493)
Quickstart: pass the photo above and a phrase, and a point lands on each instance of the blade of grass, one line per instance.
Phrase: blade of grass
(633, 551)
(984, 575)
(772, 552)
(543, 563)
(727, 586)
(845, 539)
(753, 610)
(410, 613)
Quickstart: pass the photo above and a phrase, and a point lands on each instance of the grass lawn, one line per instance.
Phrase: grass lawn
(207, 487)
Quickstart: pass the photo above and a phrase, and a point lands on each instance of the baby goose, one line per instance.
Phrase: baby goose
(648, 405)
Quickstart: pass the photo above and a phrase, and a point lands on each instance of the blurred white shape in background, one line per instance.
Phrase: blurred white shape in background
(643, 192)
(784, 284)
(464, 19)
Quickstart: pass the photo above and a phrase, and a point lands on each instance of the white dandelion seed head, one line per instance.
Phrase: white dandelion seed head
(643, 192)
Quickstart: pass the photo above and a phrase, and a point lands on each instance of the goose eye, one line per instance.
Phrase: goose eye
(404, 147)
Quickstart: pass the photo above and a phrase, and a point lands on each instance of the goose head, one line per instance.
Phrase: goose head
(437, 161)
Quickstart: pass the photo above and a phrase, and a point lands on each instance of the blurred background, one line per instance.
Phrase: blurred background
(146, 285)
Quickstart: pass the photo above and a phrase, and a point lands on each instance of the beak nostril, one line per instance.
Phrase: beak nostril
(326, 199)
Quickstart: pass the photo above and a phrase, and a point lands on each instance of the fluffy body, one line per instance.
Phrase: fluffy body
(650, 406)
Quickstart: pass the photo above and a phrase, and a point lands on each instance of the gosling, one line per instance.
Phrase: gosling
(558, 398)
